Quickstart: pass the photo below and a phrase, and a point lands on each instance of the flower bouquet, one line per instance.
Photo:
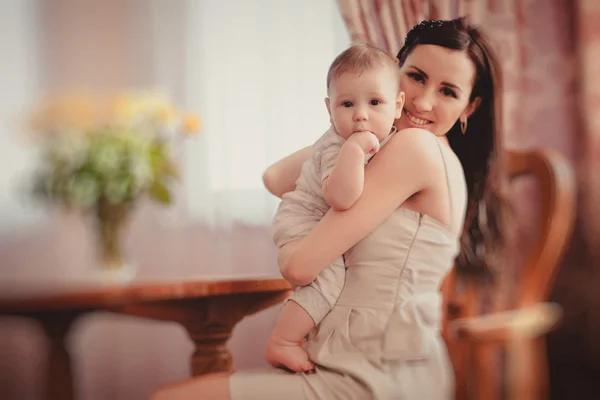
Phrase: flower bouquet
(101, 157)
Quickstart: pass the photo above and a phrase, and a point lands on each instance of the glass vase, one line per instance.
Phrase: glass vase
(112, 223)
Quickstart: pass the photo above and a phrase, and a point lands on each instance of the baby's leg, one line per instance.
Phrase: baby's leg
(284, 346)
(308, 305)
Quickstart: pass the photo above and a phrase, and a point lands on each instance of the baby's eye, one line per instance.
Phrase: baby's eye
(375, 102)
(448, 92)
(347, 104)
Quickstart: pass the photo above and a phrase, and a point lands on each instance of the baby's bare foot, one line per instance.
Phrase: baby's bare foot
(282, 353)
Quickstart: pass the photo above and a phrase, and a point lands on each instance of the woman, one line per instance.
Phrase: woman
(381, 340)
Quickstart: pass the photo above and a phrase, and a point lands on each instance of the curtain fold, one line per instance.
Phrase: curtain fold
(386, 22)
(588, 46)
(533, 44)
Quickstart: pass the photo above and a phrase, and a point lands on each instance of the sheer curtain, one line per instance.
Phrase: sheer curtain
(20, 84)
(255, 70)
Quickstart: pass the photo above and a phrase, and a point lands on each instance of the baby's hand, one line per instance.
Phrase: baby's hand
(366, 140)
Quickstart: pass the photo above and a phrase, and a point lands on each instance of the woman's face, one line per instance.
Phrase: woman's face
(437, 83)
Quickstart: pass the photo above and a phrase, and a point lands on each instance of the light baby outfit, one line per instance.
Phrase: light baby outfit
(298, 213)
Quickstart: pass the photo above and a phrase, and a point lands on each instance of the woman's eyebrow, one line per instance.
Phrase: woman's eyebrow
(452, 85)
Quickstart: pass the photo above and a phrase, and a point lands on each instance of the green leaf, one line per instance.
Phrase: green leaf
(160, 193)
(170, 170)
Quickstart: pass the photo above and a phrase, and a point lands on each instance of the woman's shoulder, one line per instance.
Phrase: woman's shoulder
(408, 163)
(416, 145)
(415, 137)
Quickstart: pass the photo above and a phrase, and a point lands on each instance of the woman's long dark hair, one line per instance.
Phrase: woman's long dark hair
(479, 149)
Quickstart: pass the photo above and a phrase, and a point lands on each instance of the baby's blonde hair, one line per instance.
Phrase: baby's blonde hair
(360, 57)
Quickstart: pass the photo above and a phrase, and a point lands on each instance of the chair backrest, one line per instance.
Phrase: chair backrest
(534, 277)
(557, 187)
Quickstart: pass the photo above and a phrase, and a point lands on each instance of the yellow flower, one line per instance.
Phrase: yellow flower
(190, 124)
(164, 113)
(124, 108)
(73, 112)
(144, 108)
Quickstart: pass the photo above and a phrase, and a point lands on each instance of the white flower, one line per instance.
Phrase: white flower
(141, 172)
(107, 161)
(83, 190)
(70, 151)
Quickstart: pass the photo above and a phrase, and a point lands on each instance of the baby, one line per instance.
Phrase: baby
(364, 99)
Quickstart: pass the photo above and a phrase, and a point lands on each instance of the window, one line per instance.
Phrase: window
(256, 72)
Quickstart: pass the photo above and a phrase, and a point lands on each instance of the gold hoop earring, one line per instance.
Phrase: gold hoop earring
(463, 126)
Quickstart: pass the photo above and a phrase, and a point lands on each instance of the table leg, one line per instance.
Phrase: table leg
(209, 322)
(211, 353)
(59, 378)
(211, 326)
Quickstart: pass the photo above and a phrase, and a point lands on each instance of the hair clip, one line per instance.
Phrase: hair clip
(424, 26)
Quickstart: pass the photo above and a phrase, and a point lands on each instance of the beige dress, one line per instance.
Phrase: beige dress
(381, 340)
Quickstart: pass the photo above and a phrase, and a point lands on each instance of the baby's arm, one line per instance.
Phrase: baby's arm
(281, 177)
(342, 171)
(344, 184)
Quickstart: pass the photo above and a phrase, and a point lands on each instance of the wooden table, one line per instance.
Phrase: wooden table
(207, 308)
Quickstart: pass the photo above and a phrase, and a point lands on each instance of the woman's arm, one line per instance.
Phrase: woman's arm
(401, 169)
(281, 177)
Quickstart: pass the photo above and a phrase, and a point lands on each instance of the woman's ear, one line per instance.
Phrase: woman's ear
(471, 108)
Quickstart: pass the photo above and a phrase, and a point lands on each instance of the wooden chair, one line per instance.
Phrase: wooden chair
(474, 341)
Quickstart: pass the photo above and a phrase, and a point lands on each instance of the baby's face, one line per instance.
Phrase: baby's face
(365, 101)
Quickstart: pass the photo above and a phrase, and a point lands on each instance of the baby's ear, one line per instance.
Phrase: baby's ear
(328, 104)
(399, 104)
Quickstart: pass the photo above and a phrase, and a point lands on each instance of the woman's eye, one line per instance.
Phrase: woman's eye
(448, 92)
(375, 102)
(347, 104)
(416, 77)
